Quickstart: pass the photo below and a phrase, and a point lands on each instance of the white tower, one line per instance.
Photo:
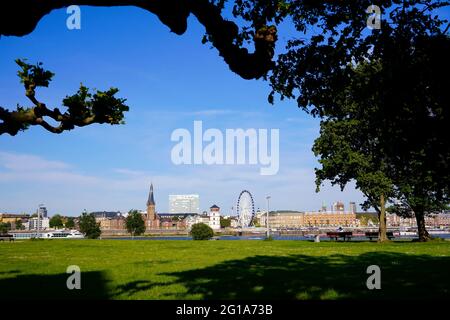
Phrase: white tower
(214, 217)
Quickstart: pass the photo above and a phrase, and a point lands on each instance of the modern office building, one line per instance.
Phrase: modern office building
(184, 203)
(33, 223)
(42, 212)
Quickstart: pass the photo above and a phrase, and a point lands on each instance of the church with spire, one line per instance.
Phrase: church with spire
(176, 221)
(152, 220)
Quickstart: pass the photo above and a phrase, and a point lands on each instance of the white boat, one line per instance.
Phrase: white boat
(72, 234)
(408, 233)
(56, 234)
(405, 231)
(438, 231)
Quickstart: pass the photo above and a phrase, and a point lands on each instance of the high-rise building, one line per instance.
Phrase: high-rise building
(184, 203)
(42, 212)
(352, 207)
(337, 206)
(35, 223)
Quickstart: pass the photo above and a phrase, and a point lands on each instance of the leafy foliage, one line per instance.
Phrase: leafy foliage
(225, 222)
(89, 226)
(5, 227)
(19, 224)
(83, 108)
(135, 223)
(201, 231)
(70, 223)
(56, 221)
(372, 136)
(33, 75)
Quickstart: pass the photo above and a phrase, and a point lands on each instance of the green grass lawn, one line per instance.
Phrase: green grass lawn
(153, 269)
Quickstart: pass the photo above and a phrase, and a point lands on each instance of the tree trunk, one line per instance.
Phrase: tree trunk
(421, 229)
(382, 217)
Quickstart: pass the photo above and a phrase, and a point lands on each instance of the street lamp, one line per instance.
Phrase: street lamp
(267, 217)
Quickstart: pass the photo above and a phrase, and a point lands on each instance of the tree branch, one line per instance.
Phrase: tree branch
(21, 19)
(83, 108)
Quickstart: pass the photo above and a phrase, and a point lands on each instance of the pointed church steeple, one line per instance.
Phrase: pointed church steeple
(151, 199)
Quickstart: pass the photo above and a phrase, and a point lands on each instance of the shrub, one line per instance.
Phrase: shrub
(201, 231)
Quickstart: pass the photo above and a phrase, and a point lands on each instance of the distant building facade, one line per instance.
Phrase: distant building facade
(435, 220)
(13, 217)
(110, 220)
(330, 218)
(184, 203)
(296, 219)
(338, 207)
(282, 219)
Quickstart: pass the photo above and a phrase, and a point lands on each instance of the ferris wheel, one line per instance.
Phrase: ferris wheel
(245, 208)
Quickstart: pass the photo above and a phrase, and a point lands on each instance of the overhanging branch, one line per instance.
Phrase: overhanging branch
(21, 17)
(83, 108)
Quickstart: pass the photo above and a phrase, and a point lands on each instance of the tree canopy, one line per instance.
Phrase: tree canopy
(82, 109)
(387, 131)
(135, 223)
(310, 65)
(89, 226)
(70, 223)
(56, 221)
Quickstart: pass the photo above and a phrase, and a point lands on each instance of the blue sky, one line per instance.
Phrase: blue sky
(169, 81)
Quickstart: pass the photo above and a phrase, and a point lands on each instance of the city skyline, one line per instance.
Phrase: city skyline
(174, 201)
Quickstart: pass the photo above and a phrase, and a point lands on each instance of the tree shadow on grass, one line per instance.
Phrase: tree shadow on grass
(53, 286)
(289, 277)
(403, 276)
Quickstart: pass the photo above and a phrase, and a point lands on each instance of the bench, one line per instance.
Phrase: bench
(370, 235)
(4, 237)
(346, 235)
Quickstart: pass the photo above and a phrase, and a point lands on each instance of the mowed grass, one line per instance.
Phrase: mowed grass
(153, 269)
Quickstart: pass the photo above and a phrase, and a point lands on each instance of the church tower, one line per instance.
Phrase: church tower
(151, 215)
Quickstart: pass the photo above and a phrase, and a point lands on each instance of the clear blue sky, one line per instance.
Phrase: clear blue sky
(169, 81)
